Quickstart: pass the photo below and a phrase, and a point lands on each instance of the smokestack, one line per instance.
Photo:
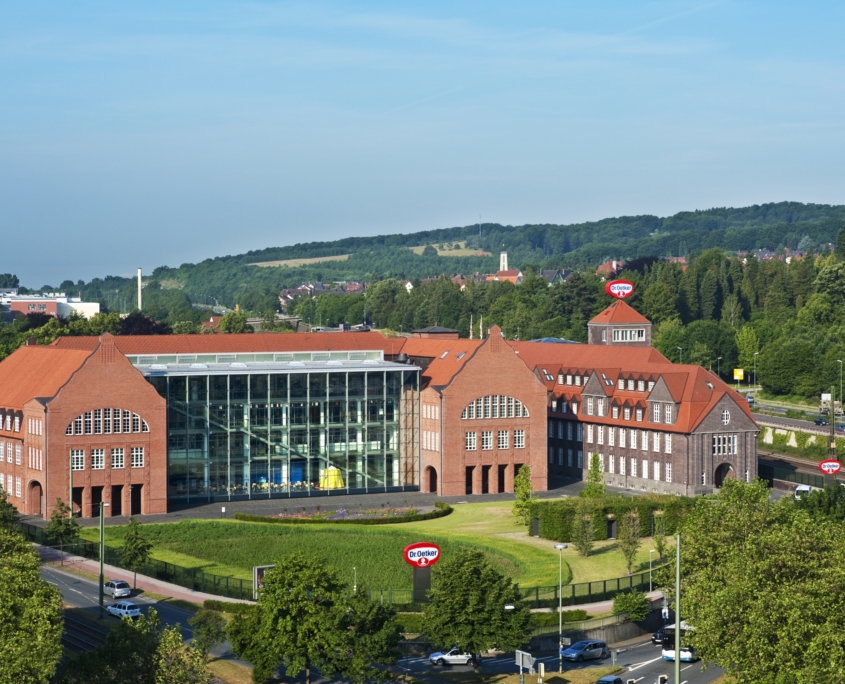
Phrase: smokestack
(139, 290)
(503, 261)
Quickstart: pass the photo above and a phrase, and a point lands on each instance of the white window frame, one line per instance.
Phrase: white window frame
(18, 453)
(118, 458)
(614, 412)
(137, 454)
(667, 414)
(600, 439)
(98, 459)
(622, 461)
(589, 406)
(611, 436)
(589, 434)
(487, 440)
(626, 413)
(655, 413)
(503, 439)
(18, 487)
(639, 415)
(724, 445)
(77, 459)
(633, 439)
(656, 469)
(633, 467)
(611, 464)
(519, 439)
(667, 443)
(470, 441)
(667, 472)
(644, 470)
(622, 432)
(600, 407)
(655, 443)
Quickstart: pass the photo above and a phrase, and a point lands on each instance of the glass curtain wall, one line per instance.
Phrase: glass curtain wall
(261, 435)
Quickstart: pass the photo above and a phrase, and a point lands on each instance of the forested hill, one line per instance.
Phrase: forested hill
(234, 279)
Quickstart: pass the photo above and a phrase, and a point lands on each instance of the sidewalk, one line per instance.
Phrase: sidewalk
(110, 572)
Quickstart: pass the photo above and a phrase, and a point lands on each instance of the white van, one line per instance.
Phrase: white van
(801, 490)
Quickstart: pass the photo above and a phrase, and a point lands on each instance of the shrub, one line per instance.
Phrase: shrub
(228, 607)
(635, 603)
(550, 619)
(441, 510)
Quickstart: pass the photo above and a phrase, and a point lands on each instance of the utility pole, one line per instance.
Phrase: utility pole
(678, 609)
(831, 447)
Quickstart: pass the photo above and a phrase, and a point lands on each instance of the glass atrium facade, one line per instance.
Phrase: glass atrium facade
(247, 430)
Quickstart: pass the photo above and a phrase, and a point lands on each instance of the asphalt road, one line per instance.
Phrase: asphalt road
(643, 663)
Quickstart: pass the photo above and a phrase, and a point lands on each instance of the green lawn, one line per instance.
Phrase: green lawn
(232, 548)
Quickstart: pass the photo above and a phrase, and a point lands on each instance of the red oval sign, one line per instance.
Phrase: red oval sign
(619, 288)
(830, 467)
(422, 554)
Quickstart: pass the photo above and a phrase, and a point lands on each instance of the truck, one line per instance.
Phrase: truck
(824, 406)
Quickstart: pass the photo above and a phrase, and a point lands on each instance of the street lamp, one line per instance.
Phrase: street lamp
(560, 548)
(719, 366)
(680, 354)
(839, 361)
(102, 544)
(354, 580)
(649, 570)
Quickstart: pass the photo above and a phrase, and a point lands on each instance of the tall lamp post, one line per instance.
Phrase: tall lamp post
(102, 544)
(839, 361)
(560, 548)
(680, 354)
(719, 367)
(755, 368)
(677, 667)
(649, 570)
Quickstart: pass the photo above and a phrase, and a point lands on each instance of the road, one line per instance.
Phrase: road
(643, 663)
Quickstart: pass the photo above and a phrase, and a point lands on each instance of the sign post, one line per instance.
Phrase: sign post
(258, 572)
(524, 660)
(619, 288)
(421, 556)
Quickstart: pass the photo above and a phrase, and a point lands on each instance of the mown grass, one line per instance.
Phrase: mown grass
(581, 676)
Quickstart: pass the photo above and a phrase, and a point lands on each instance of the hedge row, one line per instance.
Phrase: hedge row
(556, 516)
(412, 623)
(441, 510)
(228, 607)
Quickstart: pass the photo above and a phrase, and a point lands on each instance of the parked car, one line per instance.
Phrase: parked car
(802, 490)
(122, 608)
(117, 588)
(610, 679)
(820, 421)
(586, 650)
(657, 637)
(453, 657)
(750, 400)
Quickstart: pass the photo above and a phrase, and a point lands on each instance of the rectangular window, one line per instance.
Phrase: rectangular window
(644, 471)
(554, 405)
(703, 477)
(107, 421)
(621, 465)
(667, 444)
(9, 452)
(633, 467)
(77, 459)
(137, 457)
(136, 423)
(640, 385)
(18, 449)
(569, 379)
(560, 379)
(560, 456)
(620, 384)
(126, 418)
(639, 415)
(486, 440)
(601, 407)
(655, 413)
(644, 441)
(626, 413)
(560, 429)
(657, 471)
(580, 458)
(614, 412)
(9, 484)
(650, 385)
(601, 434)
(551, 428)
(519, 439)
(425, 410)
(569, 457)
(656, 442)
(569, 430)
(17, 423)
(437, 441)
(88, 417)
(18, 487)
(633, 439)
(511, 407)
(117, 458)
(611, 436)
(580, 433)
(98, 421)
(629, 335)
(563, 406)
(668, 414)
(601, 462)
(589, 406)
(724, 445)
(589, 434)
(504, 439)
(668, 471)
(577, 380)
(551, 455)
(630, 385)
(611, 464)
(622, 432)
(98, 459)
(425, 439)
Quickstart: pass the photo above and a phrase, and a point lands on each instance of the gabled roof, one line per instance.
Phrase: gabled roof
(586, 355)
(37, 371)
(240, 343)
(447, 357)
(435, 329)
(619, 313)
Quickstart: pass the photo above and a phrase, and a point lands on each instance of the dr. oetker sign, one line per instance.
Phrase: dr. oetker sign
(619, 288)
(422, 554)
(830, 467)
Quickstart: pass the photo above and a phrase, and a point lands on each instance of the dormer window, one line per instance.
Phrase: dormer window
(626, 413)
(589, 406)
(577, 380)
(562, 406)
(569, 379)
(668, 413)
(554, 404)
(640, 385)
(655, 413)
(650, 385)
(601, 407)
(614, 412)
(630, 385)
(639, 415)
(586, 378)
(574, 407)
(560, 379)
(620, 384)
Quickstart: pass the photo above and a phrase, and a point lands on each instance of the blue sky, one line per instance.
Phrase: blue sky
(143, 134)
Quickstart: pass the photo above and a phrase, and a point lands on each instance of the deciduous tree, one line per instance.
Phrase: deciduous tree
(582, 528)
(8, 513)
(62, 528)
(634, 603)
(594, 487)
(136, 548)
(523, 494)
(209, 628)
(474, 606)
(628, 538)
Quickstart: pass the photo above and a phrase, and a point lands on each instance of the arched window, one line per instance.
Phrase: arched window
(495, 406)
(107, 421)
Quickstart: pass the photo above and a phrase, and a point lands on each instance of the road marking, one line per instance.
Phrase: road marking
(686, 668)
(639, 665)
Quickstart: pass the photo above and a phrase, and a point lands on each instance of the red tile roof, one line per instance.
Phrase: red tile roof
(620, 313)
(586, 355)
(241, 343)
(454, 353)
(37, 371)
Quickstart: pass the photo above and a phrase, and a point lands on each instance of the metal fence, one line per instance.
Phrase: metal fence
(580, 625)
(234, 587)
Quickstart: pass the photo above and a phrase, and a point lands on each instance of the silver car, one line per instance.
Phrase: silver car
(586, 650)
(117, 588)
(453, 657)
(122, 608)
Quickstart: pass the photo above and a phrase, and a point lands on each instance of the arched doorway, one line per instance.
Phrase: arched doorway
(431, 479)
(35, 500)
(723, 472)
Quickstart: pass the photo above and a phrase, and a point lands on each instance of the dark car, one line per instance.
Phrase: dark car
(657, 637)
(820, 421)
